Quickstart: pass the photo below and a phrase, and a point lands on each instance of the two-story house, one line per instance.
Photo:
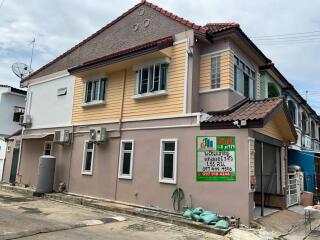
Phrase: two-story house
(151, 103)
(305, 151)
(12, 104)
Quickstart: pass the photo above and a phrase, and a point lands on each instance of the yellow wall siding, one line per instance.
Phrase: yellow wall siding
(172, 104)
(108, 112)
(270, 129)
(226, 71)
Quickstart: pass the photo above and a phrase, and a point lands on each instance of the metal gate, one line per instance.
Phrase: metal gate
(293, 195)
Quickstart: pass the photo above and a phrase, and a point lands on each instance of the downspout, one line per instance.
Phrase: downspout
(120, 126)
(70, 160)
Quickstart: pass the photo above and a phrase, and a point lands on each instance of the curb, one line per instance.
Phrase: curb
(114, 206)
(135, 211)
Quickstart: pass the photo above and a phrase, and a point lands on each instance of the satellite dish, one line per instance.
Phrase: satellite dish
(21, 70)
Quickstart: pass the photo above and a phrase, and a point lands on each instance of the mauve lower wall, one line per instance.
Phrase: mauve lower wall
(229, 198)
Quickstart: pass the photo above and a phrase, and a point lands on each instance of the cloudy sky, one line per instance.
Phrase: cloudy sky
(287, 31)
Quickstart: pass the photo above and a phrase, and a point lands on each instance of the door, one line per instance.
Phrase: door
(14, 163)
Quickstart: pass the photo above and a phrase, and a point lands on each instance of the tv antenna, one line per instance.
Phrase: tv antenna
(22, 70)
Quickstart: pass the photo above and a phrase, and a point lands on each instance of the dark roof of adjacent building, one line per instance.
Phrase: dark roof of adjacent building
(118, 56)
(256, 114)
(14, 90)
(16, 133)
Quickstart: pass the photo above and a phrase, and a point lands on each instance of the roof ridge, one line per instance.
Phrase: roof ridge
(142, 2)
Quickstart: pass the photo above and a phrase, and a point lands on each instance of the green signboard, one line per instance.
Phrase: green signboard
(216, 158)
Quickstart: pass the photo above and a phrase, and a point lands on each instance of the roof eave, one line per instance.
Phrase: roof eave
(121, 57)
(242, 36)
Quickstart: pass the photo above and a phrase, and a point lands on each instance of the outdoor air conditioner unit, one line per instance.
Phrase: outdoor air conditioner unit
(25, 120)
(62, 136)
(98, 135)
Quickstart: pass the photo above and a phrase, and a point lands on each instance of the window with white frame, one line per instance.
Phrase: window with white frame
(88, 157)
(215, 72)
(95, 90)
(47, 150)
(17, 112)
(126, 159)
(152, 78)
(168, 161)
(244, 79)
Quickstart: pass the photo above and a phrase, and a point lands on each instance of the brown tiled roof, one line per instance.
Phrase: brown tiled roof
(247, 110)
(153, 6)
(216, 27)
(161, 43)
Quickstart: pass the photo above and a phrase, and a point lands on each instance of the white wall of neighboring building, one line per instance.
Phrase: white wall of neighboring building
(46, 108)
(8, 101)
(3, 149)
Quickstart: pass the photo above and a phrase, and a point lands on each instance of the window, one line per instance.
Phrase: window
(313, 129)
(244, 79)
(215, 72)
(126, 158)
(168, 161)
(304, 123)
(47, 150)
(95, 90)
(152, 78)
(292, 111)
(17, 112)
(88, 158)
(273, 90)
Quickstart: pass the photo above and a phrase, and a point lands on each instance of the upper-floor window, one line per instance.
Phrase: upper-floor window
(215, 72)
(17, 112)
(95, 90)
(305, 127)
(293, 111)
(273, 90)
(152, 78)
(313, 129)
(244, 79)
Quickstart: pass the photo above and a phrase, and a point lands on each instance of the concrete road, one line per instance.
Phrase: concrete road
(25, 217)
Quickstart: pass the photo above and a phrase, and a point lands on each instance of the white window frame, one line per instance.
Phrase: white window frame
(251, 70)
(138, 69)
(97, 101)
(161, 178)
(215, 75)
(86, 172)
(122, 151)
(44, 147)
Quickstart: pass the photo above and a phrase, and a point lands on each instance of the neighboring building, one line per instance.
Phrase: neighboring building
(12, 104)
(174, 98)
(305, 152)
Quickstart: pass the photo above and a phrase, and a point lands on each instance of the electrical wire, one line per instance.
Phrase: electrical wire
(287, 34)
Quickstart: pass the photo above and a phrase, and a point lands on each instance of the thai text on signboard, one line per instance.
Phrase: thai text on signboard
(216, 158)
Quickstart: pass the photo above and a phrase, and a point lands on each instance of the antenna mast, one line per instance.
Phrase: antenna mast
(32, 42)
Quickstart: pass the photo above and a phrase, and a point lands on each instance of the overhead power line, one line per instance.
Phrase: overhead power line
(287, 34)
